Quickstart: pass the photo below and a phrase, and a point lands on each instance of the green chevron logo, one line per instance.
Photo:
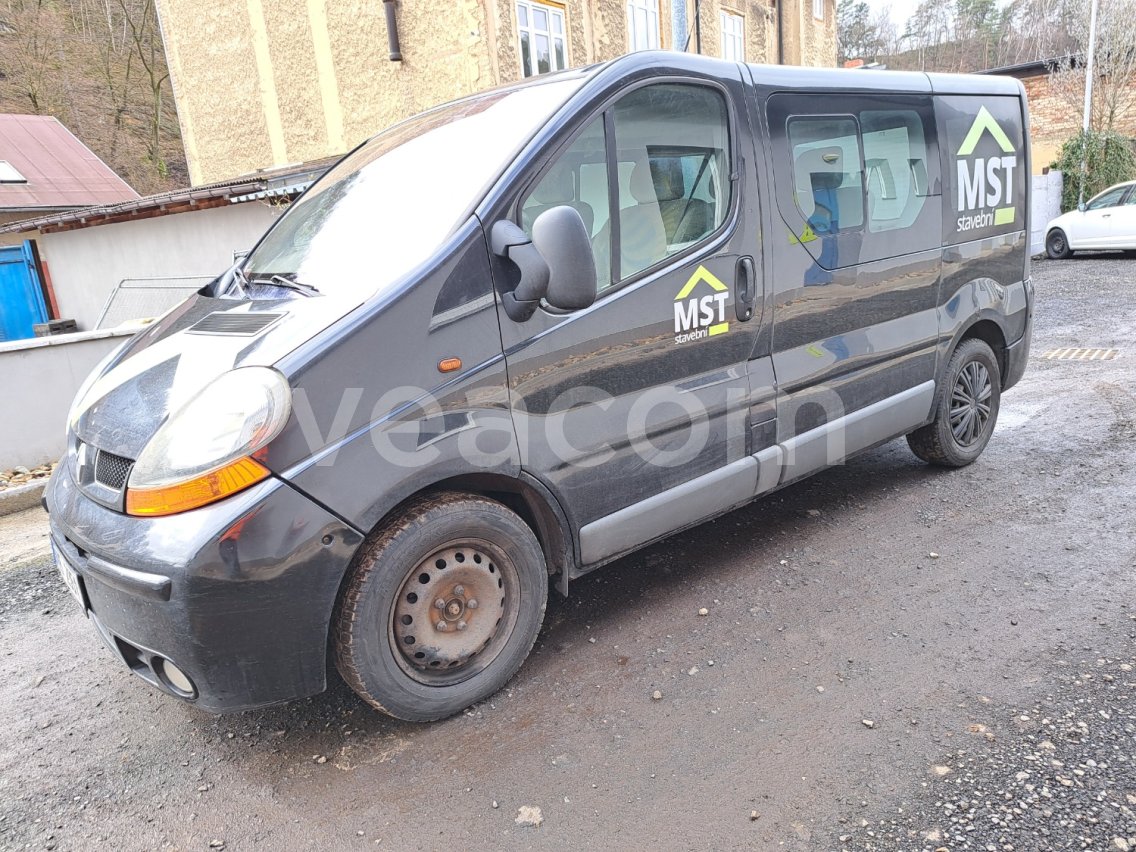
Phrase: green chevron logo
(984, 123)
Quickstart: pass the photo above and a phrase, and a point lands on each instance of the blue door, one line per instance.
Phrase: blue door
(21, 298)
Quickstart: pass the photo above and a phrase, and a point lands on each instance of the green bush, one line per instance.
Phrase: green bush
(1110, 160)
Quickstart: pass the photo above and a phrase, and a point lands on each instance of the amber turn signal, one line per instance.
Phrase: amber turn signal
(171, 499)
(448, 365)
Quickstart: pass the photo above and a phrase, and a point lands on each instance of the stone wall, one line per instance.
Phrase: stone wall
(262, 83)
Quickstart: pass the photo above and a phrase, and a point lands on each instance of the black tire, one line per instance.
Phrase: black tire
(459, 549)
(1057, 245)
(960, 431)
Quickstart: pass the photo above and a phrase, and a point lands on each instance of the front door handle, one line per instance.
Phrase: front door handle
(745, 282)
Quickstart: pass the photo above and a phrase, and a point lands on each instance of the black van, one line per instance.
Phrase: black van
(522, 334)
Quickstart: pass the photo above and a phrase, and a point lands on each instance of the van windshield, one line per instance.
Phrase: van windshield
(386, 207)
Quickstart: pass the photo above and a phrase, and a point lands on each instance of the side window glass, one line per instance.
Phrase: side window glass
(672, 146)
(826, 173)
(578, 179)
(895, 167)
(1108, 199)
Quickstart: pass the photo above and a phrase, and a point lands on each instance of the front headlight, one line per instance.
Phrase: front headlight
(204, 451)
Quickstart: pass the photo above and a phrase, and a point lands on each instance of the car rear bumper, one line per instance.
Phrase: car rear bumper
(238, 596)
(1017, 353)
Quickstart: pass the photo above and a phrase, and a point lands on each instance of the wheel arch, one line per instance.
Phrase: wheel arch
(990, 332)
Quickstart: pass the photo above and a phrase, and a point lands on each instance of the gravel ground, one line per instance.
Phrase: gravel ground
(825, 608)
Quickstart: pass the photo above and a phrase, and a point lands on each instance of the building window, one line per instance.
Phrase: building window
(541, 27)
(733, 37)
(818, 9)
(9, 174)
(643, 24)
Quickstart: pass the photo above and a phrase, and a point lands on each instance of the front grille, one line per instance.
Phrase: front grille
(241, 325)
(112, 470)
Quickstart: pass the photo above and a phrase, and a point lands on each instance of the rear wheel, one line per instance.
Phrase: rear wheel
(442, 606)
(966, 408)
(1057, 245)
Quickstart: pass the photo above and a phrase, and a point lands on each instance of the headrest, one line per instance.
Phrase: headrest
(556, 187)
(642, 185)
(668, 180)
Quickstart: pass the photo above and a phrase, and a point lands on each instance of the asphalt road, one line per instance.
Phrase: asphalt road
(895, 657)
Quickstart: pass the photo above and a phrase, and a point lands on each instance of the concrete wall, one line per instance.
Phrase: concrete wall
(87, 263)
(1045, 206)
(301, 81)
(39, 380)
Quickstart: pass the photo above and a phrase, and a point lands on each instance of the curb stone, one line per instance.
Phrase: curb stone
(22, 497)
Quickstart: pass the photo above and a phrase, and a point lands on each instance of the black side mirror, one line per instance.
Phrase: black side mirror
(562, 240)
(557, 264)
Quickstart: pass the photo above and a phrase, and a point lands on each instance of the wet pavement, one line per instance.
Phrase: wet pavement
(893, 657)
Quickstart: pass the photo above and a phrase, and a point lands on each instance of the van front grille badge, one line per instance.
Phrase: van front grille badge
(1069, 353)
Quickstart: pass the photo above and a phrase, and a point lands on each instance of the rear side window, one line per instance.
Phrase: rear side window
(827, 173)
(895, 167)
(851, 171)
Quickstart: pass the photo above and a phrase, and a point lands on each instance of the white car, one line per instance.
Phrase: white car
(1106, 221)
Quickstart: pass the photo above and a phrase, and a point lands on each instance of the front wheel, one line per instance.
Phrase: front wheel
(442, 606)
(966, 408)
(1057, 245)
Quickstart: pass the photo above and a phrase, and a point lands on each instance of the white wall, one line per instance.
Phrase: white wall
(1045, 205)
(39, 379)
(85, 264)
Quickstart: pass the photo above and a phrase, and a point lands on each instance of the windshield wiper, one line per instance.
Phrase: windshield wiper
(286, 283)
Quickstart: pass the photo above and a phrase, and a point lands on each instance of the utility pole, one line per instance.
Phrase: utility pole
(1088, 103)
(698, 25)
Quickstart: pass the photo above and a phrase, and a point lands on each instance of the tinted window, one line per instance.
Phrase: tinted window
(826, 173)
(895, 167)
(852, 169)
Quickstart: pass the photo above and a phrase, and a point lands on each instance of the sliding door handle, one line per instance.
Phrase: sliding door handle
(745, 283)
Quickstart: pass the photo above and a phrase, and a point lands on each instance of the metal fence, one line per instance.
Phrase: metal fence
(135, 299)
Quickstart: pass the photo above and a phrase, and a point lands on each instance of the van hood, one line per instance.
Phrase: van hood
(162, 367)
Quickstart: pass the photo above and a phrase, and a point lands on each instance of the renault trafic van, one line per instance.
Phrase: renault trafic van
(523, 334)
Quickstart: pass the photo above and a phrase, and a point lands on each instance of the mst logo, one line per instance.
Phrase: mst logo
(985, 185)
(697, 317)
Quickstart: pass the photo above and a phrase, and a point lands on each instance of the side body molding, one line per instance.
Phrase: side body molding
(738, 483)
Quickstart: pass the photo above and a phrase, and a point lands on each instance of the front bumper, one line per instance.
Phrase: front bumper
(238, 595)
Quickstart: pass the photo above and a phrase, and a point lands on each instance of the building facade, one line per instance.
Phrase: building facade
(265, 83)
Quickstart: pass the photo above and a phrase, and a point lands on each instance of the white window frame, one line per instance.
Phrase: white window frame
(733, 36)
(643, 25)
(818, 9)
(554, 13)
(10, 174)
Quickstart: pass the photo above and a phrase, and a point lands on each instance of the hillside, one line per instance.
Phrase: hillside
(99, 67)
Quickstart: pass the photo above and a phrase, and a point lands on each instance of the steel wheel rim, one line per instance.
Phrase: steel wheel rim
(476, 585)
(971, 404)
(1057, 243)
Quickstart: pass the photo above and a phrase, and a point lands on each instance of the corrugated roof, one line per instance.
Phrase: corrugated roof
(278, 182)
(61, 171)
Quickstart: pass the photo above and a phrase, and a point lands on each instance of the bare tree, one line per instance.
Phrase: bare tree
(1114, 83)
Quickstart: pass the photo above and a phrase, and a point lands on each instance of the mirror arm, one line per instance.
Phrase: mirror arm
(509, 241)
